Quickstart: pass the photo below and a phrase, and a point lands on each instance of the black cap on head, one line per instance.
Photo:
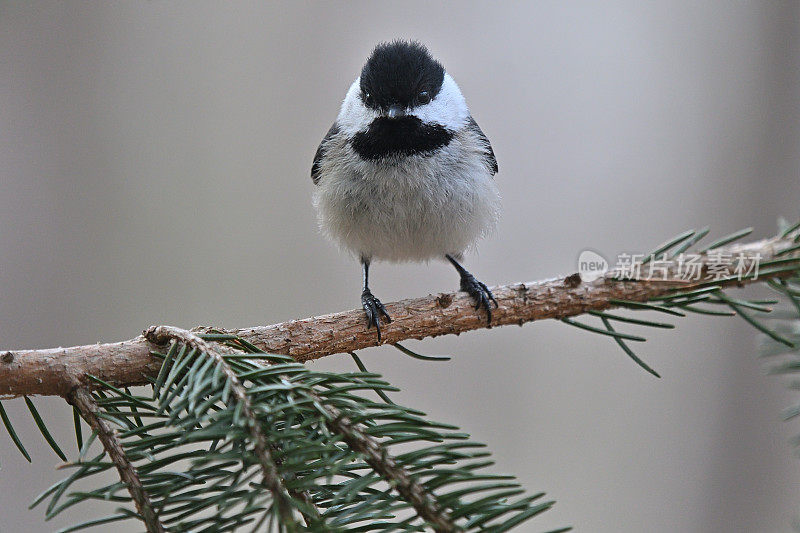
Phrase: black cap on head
(397, 72)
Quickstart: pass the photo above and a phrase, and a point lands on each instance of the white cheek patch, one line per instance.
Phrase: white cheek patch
(354, 116)
(448, 108)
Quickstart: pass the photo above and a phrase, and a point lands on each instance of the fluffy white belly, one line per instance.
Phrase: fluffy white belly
(419, 208)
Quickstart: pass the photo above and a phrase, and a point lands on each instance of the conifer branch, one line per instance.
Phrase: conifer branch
(193, 445)
(88, 408)
(269, 470)
(263, 440)
(57, 371)
(377, 457)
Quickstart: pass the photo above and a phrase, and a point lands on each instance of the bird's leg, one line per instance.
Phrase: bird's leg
(479, 292)
(372, 306)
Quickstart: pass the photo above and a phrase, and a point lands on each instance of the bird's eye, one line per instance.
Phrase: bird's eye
(367, 99)
(423, 98)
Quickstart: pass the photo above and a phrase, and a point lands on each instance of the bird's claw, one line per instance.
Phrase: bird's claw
(374, 310)
(480, 293)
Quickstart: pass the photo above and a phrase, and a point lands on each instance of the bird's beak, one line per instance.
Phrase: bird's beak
(396, 111)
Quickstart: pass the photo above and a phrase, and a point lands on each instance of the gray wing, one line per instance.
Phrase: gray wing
(488, 153)
(316, 165)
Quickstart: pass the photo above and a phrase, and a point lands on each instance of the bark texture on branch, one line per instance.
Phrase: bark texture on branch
(57, 371)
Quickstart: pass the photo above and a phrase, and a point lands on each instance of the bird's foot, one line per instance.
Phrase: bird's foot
(480, 293)
(374, 310)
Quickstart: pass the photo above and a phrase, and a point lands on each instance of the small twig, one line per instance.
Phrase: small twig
(269, 470)
(384, 464)
(56, 371)
(85, 403)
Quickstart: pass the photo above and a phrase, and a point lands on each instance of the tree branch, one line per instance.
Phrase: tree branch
(269, 470)
(57, 371)
(398, 477)
(83, 400)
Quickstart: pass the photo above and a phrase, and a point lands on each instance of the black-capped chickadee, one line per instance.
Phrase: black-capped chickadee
(405, 173)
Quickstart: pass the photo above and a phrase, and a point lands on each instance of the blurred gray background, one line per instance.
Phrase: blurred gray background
(154, 168)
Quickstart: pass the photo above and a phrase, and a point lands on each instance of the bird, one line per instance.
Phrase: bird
(405, 173)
